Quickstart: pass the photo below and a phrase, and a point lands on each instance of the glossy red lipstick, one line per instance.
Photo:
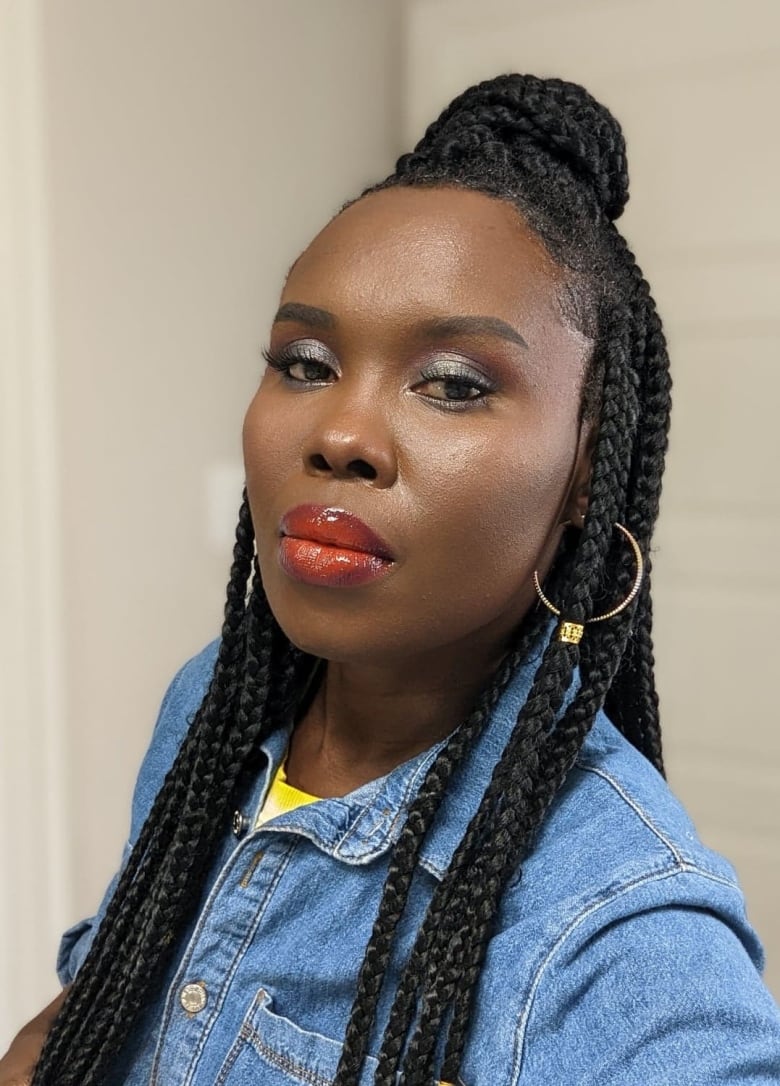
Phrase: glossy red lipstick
(325, 546)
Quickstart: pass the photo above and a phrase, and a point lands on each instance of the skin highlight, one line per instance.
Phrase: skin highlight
(470, 499)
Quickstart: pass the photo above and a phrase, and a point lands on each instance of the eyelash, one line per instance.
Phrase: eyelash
(457, 373)
(284, 361)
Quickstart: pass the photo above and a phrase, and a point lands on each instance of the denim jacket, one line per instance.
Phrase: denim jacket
(622, 958)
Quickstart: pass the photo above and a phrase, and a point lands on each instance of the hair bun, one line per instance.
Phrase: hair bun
(561, 119)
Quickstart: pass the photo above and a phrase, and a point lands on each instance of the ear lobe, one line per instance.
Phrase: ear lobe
(581, 504)
(579, 491)
(577, 505)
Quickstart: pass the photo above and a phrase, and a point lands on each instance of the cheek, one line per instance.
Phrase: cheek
(269, 448)
(491, 522)
(505, 500)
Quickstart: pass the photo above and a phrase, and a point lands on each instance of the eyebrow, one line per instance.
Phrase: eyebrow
(434, 327)
(309, 315)
(453, 326)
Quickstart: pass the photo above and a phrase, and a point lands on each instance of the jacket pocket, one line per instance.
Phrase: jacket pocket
(273, 1050)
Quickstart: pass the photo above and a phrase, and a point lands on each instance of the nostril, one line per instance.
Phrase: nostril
(357, 468)
(362, 469)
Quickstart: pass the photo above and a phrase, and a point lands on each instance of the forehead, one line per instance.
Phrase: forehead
(440, 250)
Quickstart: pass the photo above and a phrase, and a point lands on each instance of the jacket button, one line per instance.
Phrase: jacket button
(240, 824)
(193, 997)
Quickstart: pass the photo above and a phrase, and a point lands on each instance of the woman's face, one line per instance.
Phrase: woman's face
(425, 383)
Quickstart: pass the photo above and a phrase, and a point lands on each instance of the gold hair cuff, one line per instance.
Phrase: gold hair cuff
(570, 632)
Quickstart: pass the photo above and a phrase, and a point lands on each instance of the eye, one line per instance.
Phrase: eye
(305, 362)
(454, 384)
(452, 388)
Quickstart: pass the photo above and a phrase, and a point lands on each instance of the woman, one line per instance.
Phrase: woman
(384, 831)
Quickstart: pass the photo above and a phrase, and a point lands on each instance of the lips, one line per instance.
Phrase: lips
(326, 546)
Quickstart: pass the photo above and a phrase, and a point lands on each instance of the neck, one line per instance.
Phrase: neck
(365, 720)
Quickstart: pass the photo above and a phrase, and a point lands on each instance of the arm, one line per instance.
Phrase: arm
(178, 708)
(663, 995)
(17, 1066)
(179, 705)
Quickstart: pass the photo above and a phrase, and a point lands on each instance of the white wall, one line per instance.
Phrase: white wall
(169, 160)
(696, 87)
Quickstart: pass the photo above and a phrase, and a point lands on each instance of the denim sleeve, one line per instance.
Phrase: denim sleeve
(664, 994)
(179, 705)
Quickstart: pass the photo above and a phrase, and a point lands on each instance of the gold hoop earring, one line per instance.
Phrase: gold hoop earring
(571, 632)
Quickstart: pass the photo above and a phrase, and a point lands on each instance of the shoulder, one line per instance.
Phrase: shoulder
(621, 905)
(177, 711)
(617, 839)
(179, 705)
(185, 693)
(614, 785)
(189, 684)
(621, 826)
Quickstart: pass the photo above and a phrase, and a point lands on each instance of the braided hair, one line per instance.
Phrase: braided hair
(548, 148)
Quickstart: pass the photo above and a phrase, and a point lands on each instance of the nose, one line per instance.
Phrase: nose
(352, 440)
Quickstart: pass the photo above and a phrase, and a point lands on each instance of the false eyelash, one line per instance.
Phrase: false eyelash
(275, 361)
(282, 361)
(481, 384)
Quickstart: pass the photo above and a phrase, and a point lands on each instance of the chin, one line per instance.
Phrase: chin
(339, 624)
(338, 638)
(346, 632)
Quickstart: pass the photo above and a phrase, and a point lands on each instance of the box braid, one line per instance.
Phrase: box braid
(551, 150)
(548, 148)
(254, 678)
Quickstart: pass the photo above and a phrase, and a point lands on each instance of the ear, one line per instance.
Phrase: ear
(576, 505)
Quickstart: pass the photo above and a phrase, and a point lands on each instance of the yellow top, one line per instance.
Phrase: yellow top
(282, 797)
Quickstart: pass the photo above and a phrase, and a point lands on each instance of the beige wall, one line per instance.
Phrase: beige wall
(194, 148)
(696, 86)
(189, 150)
